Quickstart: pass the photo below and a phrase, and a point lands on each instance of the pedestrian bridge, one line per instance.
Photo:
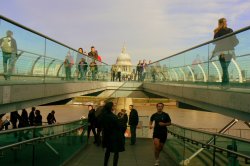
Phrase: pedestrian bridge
(194, 76)
(38, 75)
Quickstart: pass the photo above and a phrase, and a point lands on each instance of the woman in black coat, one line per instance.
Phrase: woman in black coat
(113, 139)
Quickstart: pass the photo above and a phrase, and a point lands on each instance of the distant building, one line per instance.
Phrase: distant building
(124, 63)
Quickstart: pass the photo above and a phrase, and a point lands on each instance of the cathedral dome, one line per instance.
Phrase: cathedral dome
(124, 58)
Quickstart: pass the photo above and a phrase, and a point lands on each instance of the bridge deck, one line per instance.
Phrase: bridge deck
(137, 155)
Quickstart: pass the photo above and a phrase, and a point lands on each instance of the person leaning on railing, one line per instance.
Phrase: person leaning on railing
(93, 69)
(224, 48)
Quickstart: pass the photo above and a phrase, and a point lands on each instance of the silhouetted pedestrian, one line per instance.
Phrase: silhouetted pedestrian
(98, 116)
(23, 119)
(32, 116)
(91, 121)
(133, 122)
(14, 116)
(38, 118)
(113, 138)
(51, 117)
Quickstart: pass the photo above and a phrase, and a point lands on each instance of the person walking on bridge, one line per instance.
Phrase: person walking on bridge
(113, 138)
(133, 122)
(162, 120)
(9, 50)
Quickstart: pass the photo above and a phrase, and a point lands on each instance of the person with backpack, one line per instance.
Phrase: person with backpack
(9, 50)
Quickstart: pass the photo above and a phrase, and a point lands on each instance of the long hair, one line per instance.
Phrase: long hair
(221, 21)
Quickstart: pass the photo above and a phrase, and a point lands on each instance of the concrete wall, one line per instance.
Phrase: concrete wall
(228, 102)
(15, 97)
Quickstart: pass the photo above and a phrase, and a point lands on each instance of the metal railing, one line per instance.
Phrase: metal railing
(42, 141)
(232, 149)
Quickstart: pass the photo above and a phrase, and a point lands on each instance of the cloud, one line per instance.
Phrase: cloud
(151, 29)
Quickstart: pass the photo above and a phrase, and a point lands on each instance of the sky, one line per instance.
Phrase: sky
(151, 30)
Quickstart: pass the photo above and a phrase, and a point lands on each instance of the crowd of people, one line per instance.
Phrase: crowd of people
(104, 122)
(34, 118)
(82, 65)
(141, 72)
(109, 129)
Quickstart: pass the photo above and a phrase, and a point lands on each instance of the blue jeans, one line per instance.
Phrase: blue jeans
(225, 75)
(68, 73)
(8, 63)
(82, 74)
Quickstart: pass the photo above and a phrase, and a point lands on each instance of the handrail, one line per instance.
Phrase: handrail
(38, 138)
(211, 133)
(36, 127)
(42, 35)
(216, 147)
(205, 43)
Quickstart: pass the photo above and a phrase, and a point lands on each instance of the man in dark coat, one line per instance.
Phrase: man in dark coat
(113, 139)
(133, 122)
(92, 122)
(32, 116)
(14, 116)
(98, 115)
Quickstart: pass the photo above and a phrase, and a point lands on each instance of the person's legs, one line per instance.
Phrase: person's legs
(80, 74)
(226, 72)
(88, 133)
(106, 157)
(6, 58)
(84, 75)
(94, 133)
(159, 140)
(133, 134)
(12, 62)
(156, 148)
(224, 65)
(115, 159)
(98, 136)
(67, 73)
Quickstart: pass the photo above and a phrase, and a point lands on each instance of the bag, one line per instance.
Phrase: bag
(235, 41)
(6, 45)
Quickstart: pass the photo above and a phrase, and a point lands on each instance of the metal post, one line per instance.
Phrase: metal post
(214, 151)
(33, 149)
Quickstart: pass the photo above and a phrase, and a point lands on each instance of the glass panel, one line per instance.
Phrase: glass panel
(174, 146)
(25, 48)
(196, 60)
(57, 148)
